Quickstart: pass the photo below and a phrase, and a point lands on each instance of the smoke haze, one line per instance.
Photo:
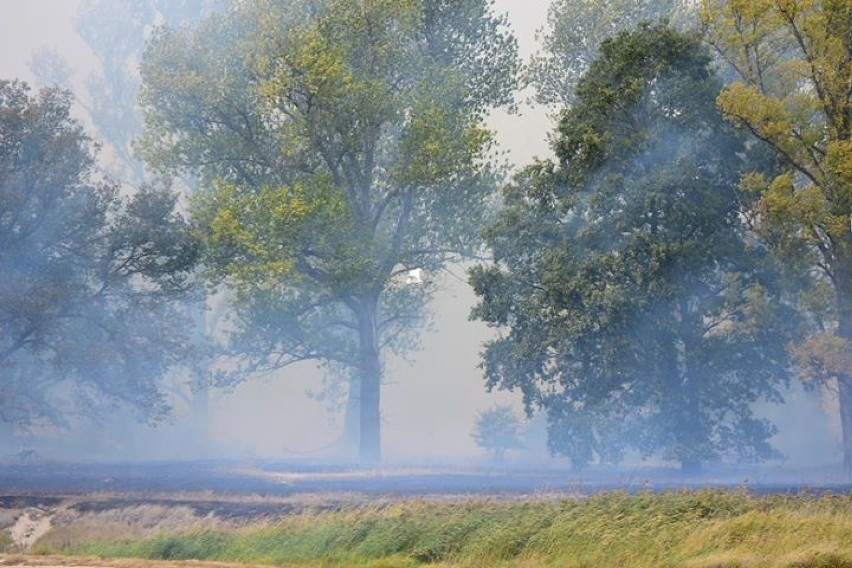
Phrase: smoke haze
(429, 403)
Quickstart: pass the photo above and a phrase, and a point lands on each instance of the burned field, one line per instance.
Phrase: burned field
(290, 514)
(290, 480)
(238, 493)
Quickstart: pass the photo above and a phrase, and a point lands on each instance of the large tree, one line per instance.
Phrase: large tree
(794, 94)
(85, 272)
(340, 145)
(116, 31)
(635, 310)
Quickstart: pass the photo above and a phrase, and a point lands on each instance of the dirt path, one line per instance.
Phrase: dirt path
(30, 526)
(22, 560)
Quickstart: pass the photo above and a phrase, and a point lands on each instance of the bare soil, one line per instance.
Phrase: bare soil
(20, 560)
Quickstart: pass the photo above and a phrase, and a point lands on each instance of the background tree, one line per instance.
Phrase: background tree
(86, 273)
(498, 430)
(340, 145)
(637, 312)
(794, 62)
(575, 30)
(116, 32)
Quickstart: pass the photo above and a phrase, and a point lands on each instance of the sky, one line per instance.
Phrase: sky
(429, 402)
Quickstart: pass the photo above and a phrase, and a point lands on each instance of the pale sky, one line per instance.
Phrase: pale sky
(429, 405)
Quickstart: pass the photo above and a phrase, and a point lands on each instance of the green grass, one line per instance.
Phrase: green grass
(6, 544)
(697, 529)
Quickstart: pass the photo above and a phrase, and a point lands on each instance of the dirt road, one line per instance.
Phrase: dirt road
(13, 561)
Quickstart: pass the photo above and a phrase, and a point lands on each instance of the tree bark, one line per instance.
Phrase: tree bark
(680, 402)
(843, 282)
(200, 391)
(370, 370)
(200, 411)
(349, 440)
(844, 388)
(694, 436)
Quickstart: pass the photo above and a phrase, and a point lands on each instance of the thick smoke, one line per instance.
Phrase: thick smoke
(432, 397)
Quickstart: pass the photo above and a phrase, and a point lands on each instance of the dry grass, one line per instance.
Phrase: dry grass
(689, 529)
(126, 524)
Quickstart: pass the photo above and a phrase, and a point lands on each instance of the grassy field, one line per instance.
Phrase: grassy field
(694, 529)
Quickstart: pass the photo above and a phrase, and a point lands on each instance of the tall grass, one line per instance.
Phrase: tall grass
(697, 529)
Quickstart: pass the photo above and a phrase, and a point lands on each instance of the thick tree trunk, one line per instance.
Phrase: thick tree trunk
(370, 371)
(843, 281)
(693, 435)
(684, 396)
(200, 412)
(200, 394)
(844, 387)
(349, 440)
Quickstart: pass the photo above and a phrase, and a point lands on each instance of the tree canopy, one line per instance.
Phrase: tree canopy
(793, 61)
(574, 32)
(86, 272)
(636, 309)
(497, 431)
(340, 145)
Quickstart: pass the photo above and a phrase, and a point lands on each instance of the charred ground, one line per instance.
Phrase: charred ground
(42, 482)
(332, 515)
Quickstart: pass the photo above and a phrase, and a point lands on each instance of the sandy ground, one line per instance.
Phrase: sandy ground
(30, 526)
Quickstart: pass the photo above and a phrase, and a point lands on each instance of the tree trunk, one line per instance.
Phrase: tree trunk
(370, 370)
(200, 392)
(693, 435)
(200, 411)
(844, 388)
(680, 401)
(349, 440)
(843, 281)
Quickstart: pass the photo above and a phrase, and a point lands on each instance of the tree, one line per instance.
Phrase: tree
(636, 310)
(86, 273)
(575, 30)
(339, 145)
(794, 94)
(497, 431)
(116, 31)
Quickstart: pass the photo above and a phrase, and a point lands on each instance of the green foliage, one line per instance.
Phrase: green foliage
(575, 30)
(201, 546)
(793, 93)
(339, 144)
(637, 311)
(497, 430)
(86, 272)
(7, 545)
(702, 528)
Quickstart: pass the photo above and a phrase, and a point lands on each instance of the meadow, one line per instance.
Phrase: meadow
(687, 528)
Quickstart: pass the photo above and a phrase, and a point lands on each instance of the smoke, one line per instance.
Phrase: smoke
(430, 402)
